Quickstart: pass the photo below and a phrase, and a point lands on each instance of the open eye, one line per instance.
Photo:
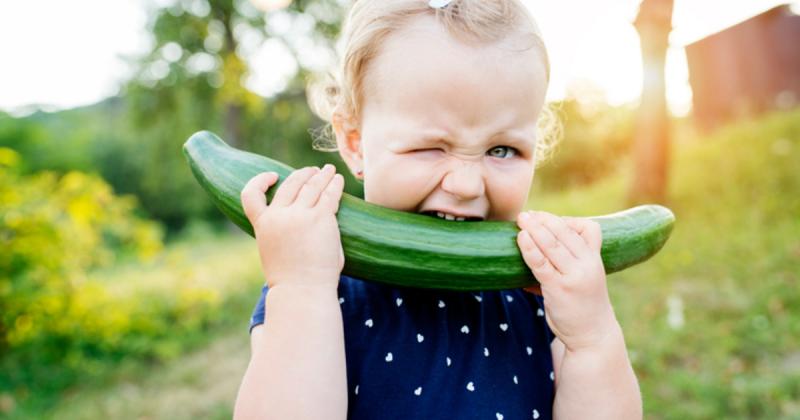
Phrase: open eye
(503, 151)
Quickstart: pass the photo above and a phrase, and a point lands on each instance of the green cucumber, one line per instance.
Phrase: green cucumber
(415, 250)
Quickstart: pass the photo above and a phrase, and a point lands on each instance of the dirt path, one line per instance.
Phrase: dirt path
(201, 385)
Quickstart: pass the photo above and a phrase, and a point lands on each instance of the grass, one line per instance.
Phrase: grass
(200, 384)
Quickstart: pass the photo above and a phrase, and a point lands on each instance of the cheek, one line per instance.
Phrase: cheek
(509, 188)
(400, 182)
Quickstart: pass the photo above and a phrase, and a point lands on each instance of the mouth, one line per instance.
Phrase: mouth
(452, 217)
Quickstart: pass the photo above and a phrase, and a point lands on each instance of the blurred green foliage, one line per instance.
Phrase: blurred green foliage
(53, 229)
(137, 314)
(595, 139)
(193, 78)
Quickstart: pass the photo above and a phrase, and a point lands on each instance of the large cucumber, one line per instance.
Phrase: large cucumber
(415, 250)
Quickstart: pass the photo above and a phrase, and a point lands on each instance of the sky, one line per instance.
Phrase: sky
(61, 55)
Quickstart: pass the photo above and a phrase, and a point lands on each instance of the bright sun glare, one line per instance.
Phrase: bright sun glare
(69, 57)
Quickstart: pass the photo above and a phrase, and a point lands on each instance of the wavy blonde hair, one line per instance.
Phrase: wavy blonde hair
(370, 22)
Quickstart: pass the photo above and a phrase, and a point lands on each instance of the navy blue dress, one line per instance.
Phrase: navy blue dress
(439, 354)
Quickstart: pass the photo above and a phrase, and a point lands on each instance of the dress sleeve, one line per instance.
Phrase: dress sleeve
(540, 301)
(258, 312)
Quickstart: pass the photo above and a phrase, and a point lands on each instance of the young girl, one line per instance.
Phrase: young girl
(435, 107)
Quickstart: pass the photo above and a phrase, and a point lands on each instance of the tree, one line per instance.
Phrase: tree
(652, 132)
(193, 78)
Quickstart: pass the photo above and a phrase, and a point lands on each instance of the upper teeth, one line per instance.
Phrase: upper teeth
(449, 216)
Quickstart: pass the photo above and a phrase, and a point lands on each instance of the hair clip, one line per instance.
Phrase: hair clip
(439, 4)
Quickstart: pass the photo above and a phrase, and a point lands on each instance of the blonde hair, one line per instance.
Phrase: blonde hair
(370, 22)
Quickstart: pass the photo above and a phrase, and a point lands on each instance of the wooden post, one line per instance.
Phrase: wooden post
(652, 132)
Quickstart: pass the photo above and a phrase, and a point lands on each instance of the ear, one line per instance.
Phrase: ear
(348, 142)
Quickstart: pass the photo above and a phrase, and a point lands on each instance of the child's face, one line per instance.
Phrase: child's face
(448, 126)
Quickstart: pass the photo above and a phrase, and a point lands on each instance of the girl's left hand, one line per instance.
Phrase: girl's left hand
(564, 255)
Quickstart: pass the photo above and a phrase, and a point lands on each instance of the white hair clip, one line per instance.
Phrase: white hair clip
(439, 4)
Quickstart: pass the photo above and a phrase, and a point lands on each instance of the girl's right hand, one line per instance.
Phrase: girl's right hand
(297, 233)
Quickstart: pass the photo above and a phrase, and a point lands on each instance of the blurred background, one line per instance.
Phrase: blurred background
(125, 294)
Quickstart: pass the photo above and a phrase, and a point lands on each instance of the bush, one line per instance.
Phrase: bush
(53, 229)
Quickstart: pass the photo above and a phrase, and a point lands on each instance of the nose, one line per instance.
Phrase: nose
(465, 181)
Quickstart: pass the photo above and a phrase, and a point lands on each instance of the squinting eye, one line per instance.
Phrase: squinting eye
(503, 155)
(427, 150)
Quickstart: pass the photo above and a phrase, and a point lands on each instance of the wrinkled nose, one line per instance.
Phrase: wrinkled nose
(465, 181)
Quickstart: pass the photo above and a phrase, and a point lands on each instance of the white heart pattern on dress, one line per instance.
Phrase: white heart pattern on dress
(504, 326)
(499, 416)
(535, 414)
(471, 386)
(368, 323)
(441, 304)
(399, 301)
(509, 298)
(540, 312)
(465, 329)
(389, 357)
(448, 361)
(420, 338)
(529, 350)
(418, 391)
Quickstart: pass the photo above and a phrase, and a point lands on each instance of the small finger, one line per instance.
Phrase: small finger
(556, 252)
(589, 230)
(310, 191)
(330, 197)
(254, 200)
(541, 267)
(287, 192)
(574, 243)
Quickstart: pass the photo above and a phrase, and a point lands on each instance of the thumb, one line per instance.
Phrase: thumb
(254, 200)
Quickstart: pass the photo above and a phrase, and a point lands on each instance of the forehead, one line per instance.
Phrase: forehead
(423, 72)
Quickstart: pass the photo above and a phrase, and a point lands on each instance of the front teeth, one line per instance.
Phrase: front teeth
(449, 217)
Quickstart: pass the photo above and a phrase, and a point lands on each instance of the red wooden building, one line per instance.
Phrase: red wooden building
(747, 68)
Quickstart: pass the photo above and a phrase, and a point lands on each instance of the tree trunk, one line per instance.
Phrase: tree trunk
(233, 108)
(652, 133)
(233, 125)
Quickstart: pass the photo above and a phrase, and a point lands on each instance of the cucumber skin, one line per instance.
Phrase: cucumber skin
(413, 250)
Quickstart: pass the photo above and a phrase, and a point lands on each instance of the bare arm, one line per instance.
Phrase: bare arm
(596, 382)
(297, 367)
(594, 378)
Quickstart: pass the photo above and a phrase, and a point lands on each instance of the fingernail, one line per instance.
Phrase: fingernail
(524, 215)
(327, 166)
